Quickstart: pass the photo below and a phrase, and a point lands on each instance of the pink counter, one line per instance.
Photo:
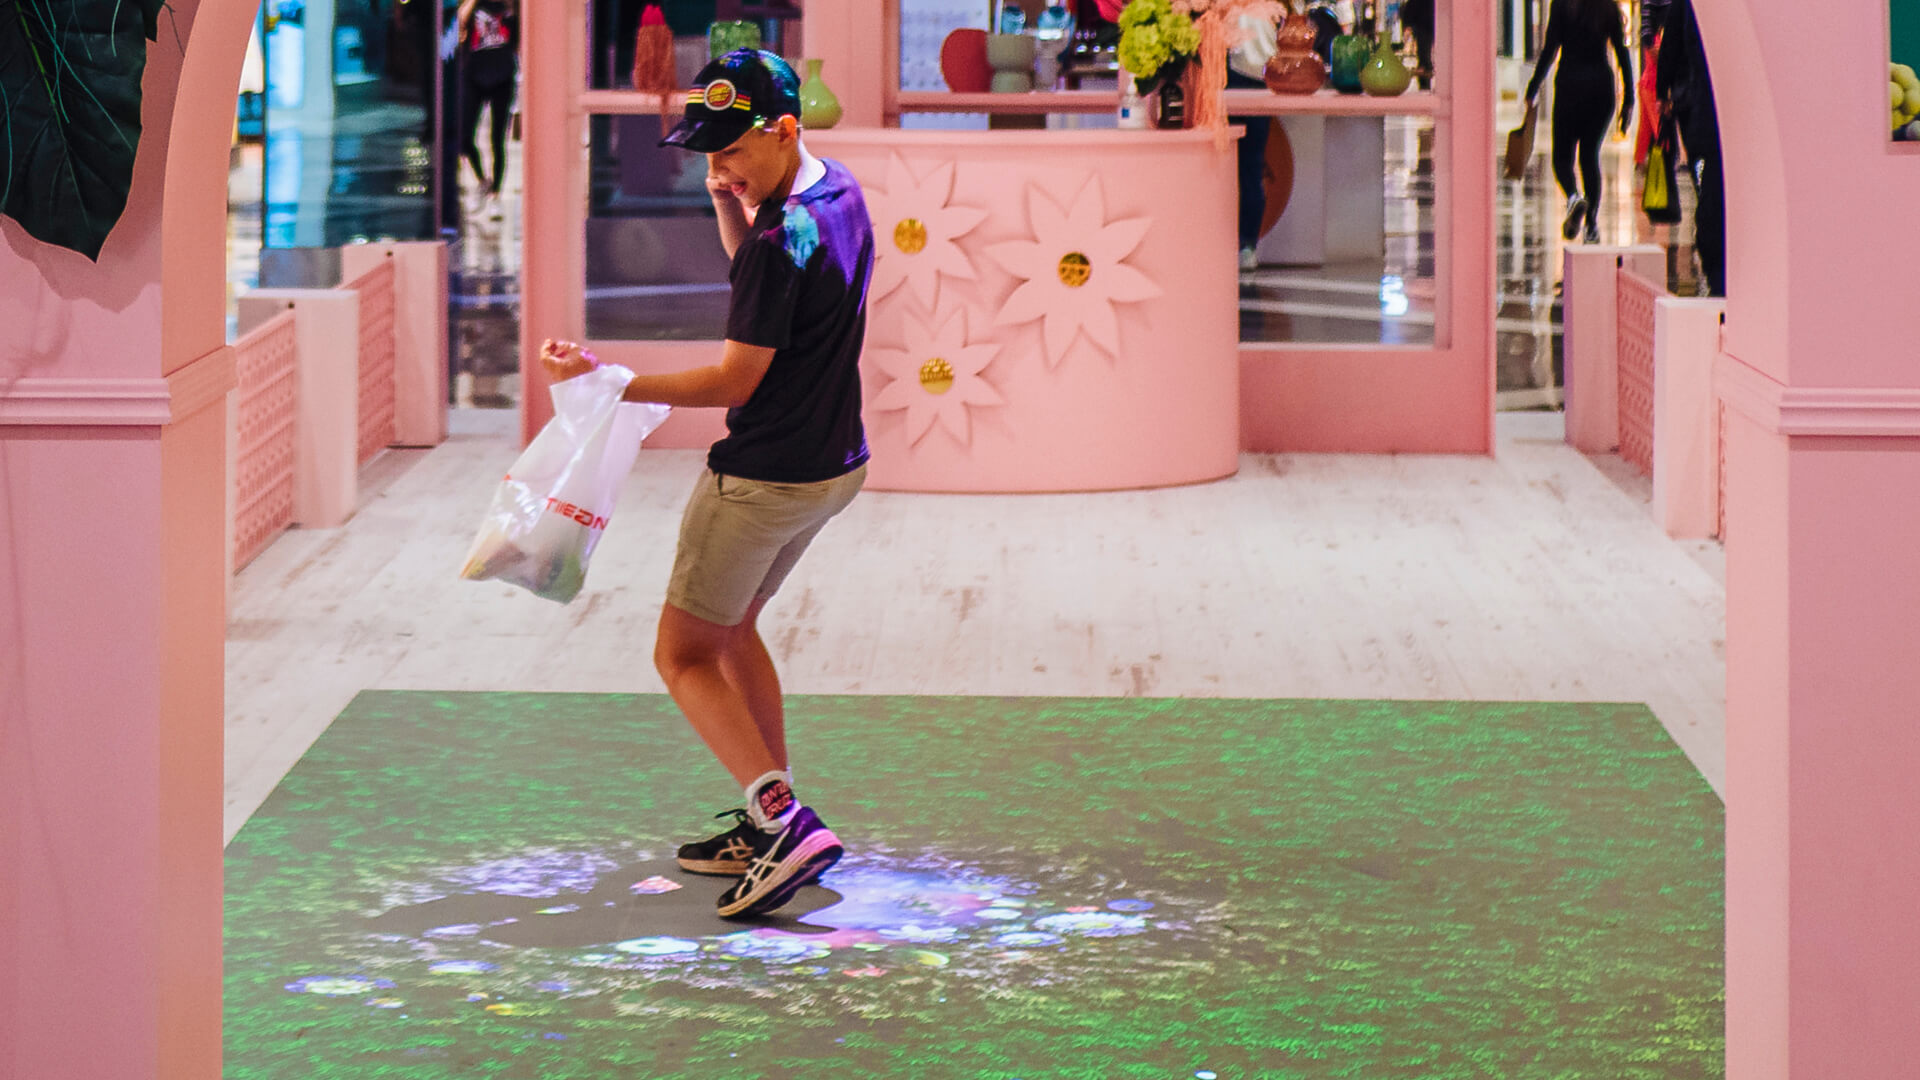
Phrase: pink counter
(1050, 310)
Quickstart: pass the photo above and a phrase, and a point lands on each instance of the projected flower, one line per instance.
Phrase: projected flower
(658, 946)
(1091, 924)
(914, 229)
(1073, 272)
(462, 967)
(773, 948)
(337, 985)
(936, 377)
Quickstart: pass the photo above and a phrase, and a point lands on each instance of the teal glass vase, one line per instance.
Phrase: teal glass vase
(1350, 53)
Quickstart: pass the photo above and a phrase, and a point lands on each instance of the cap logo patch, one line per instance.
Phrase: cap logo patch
(720, 95)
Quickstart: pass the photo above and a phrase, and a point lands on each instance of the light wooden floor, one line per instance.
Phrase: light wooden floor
(1527, 576)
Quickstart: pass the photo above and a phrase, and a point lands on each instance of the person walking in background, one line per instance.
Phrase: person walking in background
(1580, 33)
(1416, 18)
(1683, 83)
(1246, 69)
(1653, 17)
(490, 41)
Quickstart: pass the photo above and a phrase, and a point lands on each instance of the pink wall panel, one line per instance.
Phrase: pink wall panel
(1854, 878)
(80, 694)
(1363, 400)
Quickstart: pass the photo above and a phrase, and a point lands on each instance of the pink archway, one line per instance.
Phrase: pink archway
(111, 577)
(1821, 375)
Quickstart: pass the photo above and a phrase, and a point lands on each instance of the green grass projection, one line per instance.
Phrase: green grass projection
(1035, 888)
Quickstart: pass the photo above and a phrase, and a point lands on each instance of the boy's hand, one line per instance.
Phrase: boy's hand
(566, 360)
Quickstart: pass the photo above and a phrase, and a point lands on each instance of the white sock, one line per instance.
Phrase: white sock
(770, 801)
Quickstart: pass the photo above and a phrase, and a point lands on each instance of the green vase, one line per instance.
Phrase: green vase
(1349, 53)
(1384, 75)
(727, 35)
(819, 109)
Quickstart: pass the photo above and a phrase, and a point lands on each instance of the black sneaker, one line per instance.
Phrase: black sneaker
(784, 863)
(728, 854)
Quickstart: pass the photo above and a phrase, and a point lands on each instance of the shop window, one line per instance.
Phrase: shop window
(655, 270)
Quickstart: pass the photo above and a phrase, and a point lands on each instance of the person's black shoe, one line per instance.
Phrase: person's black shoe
(728, 854)
(784, 863)
(1576, 213)
(1592, 235)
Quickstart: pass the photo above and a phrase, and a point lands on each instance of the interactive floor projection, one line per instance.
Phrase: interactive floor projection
(464, 885)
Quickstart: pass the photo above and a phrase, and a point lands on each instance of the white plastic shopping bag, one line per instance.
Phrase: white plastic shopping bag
(550, 511)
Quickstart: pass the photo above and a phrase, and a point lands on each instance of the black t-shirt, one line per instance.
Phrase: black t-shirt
(492, 39)
(800, 288)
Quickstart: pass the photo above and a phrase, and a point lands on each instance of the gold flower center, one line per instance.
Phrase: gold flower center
(1075, 269)
(936, 376)
(910, 236)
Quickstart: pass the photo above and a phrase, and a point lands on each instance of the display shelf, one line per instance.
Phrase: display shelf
(1043, 102)
(1239, 103)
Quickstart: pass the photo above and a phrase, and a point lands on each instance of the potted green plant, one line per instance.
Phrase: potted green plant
(1157, 43)
(70, 114)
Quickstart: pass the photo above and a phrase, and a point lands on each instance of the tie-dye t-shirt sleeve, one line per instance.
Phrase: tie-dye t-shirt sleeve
(766, 289)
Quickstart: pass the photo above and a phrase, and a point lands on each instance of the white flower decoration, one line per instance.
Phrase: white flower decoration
(1072, 271)
(914, 232)
(936, 377)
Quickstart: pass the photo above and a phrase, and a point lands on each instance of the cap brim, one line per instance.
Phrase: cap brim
(708, 136)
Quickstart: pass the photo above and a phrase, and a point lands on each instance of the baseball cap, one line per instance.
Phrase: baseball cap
(733, 95)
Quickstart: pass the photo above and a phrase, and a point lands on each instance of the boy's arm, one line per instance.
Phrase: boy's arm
(727, 384)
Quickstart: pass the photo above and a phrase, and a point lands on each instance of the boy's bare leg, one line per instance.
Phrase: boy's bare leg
(687, 651)
(749, 668)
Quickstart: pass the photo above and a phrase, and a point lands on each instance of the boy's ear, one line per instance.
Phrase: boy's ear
(789, 127)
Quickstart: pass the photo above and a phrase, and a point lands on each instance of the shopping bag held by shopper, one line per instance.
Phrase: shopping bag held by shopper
(1520, 145)
(1658, 198)
(552, 508)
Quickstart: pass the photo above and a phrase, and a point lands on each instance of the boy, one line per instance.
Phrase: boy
(795, 453)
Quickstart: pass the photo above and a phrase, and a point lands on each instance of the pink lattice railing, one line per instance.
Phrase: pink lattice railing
(263, 471)
(1634, 304)
(376, 358)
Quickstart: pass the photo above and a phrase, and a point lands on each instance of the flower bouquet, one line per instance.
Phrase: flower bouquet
(1157, 42)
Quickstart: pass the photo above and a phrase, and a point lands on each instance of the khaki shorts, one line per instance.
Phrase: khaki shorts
(739, 539)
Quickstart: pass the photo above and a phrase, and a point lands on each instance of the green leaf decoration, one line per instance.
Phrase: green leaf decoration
(70, 75)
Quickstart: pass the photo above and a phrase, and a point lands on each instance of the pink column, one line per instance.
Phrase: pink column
(1686, 421)
(1822, 382)
(111, 602)
(1590, 316)
(420, 333)
(326, 427)
(553, 281)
